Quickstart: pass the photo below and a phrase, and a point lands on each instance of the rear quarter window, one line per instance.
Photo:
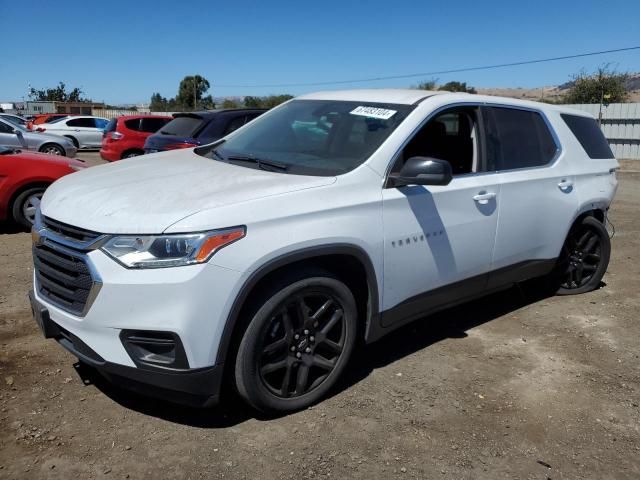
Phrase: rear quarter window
(588, 133)
(182, 126)
(132, 124)
(152, 125)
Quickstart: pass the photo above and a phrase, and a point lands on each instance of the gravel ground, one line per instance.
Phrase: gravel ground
(510, 386)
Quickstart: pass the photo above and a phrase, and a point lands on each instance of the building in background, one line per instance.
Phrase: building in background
(72, 108)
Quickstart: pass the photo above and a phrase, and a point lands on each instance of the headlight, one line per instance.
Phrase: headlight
(158, 251)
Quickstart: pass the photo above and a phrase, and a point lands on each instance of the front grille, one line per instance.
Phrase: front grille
(62, 277)
(73, 233)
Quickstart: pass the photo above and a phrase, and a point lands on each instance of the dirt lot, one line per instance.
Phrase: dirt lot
(511, 386)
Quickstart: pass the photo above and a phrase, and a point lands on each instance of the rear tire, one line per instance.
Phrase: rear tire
(132, 153)
(298, 342)
(24, 206)
(584, 258)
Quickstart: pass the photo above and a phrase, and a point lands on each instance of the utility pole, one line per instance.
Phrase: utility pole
(195, 92)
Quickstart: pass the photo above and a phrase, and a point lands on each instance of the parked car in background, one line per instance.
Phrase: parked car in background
(16, 119)
(41, 118)
(124, 136)
(198, 128)
(16, 136)
(258, 263)
(24, 176)
(84, 131)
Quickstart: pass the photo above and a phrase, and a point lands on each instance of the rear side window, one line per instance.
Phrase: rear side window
(182, 126)
(82, 122)
(152, 125)
(517, 139)
(132, 124)
(235, 124)
(589, 135)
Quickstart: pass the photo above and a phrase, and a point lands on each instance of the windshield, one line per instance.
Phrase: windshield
(313, 137)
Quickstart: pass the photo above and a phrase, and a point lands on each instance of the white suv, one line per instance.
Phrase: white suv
(262, 258)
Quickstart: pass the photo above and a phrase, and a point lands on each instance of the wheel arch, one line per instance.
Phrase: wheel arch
(130, 150)
(346, 261)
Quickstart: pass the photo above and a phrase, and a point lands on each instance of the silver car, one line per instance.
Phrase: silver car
(84, 131)
(15, 136)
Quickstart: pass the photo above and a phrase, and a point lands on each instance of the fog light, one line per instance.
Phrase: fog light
(154, 349)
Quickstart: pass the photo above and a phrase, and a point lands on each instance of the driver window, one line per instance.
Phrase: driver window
(451, 135)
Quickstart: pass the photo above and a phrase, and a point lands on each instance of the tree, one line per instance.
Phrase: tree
(266, 102)
(428, 84)
(58, 94)
(158, 103)
(252, 102)
(228, 103)
(457, 87)
(191, 89)
(604, 85)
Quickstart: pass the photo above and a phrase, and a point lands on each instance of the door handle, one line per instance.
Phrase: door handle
(484, 197)
(77, 130)
(565, 184)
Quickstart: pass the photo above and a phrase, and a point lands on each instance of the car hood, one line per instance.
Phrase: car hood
(149, 193)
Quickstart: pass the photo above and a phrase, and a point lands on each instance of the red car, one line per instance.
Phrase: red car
(124, 136)
(23, 179)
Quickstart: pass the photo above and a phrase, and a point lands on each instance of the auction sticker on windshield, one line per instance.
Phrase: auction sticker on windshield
(373, 112)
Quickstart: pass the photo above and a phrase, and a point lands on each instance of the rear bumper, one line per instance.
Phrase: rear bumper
(109, 155)
(198, 387)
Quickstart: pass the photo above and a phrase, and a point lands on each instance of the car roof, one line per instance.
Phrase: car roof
(404, 96)
(133, 117)
(414, 96)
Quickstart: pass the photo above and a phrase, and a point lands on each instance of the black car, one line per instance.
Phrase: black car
(198, 128)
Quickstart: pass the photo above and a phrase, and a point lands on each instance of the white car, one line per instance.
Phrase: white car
(84, 131)
(261, 258)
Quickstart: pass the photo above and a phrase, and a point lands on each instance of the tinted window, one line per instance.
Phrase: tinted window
(81, 122)
(235, 124)
(132, 124)
(517, 139)
(182, 126)
(5, 128)
(589, 135)
(152, 125)
(111, 126)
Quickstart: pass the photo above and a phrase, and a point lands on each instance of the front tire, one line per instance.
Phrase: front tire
(584, 258)
(52, 149)
(297, 343)
(25, 205)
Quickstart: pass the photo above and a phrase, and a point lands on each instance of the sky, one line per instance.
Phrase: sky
(123, 51)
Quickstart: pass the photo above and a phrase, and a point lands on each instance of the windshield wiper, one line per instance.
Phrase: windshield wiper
(260, 162)
(217, 154)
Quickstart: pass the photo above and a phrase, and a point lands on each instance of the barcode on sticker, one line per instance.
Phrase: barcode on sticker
(374, 112)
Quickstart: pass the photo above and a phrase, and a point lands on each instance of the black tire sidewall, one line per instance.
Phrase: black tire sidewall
(18, 203)
(61, 150)
(248, 382)
(605, 252)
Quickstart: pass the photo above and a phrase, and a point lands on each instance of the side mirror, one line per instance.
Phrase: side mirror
(422, 171)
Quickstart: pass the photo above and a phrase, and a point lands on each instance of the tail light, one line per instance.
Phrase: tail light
(176, 146)
(114, 135)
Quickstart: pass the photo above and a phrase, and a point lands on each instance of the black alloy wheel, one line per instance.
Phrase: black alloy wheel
(584, 258)
(297, 344)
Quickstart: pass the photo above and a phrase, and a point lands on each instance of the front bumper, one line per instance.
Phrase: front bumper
(190, 386)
